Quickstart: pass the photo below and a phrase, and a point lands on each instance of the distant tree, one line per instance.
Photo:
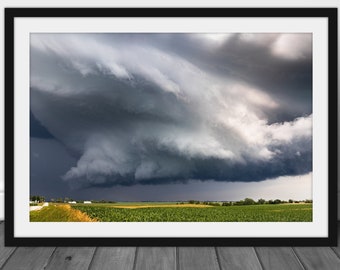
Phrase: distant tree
(227, 204)
(248, 201)
(277, 201)
(290, 201)
(193, 202)
(37, 198)
(261, 201)
(241, 202)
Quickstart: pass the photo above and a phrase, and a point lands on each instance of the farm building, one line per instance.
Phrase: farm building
(87, 202)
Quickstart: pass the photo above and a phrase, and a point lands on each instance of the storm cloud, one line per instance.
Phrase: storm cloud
(162, 108)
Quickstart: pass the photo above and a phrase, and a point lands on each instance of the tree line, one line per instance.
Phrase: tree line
(246, 201)
(37, 198)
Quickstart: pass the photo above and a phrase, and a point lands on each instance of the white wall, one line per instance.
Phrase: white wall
(135, 3)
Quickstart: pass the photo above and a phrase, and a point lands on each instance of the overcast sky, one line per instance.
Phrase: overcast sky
(171, 116)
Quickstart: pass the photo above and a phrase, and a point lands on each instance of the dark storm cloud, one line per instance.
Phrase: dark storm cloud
(288, 80)
(279, 65)
(36, 129)
(166, 108)
(48, 162)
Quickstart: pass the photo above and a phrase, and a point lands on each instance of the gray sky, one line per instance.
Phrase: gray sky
(165, 116)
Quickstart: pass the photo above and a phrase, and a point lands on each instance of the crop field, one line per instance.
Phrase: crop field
(200, 213)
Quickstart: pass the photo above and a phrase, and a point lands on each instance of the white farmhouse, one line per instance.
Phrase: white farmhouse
(87, 202)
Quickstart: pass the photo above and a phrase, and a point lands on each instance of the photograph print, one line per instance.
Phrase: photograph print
(171, 127)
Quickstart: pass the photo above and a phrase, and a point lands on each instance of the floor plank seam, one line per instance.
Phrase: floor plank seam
(10, 256)
(94, 253)
(333, 248)
(299, 259)
(258, 258)
(135, 259)
(218, 259)
(50, 258)
(176, 258)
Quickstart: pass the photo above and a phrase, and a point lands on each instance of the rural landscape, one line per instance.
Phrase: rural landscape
(246, 210)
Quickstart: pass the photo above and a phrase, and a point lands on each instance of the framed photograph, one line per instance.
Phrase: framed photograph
(171, 127)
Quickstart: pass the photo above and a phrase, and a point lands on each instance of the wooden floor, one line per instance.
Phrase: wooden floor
(149, 258)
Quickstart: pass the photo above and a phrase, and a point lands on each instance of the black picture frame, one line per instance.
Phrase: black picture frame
(10, 170)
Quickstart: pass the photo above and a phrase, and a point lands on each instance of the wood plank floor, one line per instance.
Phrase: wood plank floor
(168, 258)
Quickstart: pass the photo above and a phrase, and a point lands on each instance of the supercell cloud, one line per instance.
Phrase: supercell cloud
(162, 108)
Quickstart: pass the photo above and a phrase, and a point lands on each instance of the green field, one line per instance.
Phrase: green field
(183, 213)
